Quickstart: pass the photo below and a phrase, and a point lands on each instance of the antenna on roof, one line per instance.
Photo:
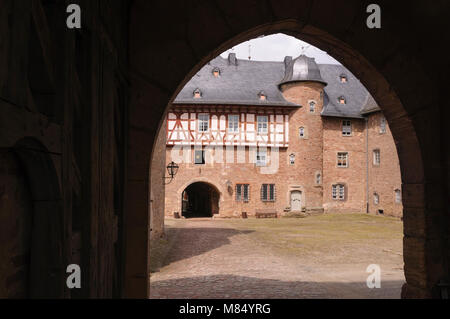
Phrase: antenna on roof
(249, 51)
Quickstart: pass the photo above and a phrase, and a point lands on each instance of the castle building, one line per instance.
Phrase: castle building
(255, 137)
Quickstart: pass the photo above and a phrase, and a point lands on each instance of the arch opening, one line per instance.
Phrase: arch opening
(200, 200)
(276, 194)
(373, 76)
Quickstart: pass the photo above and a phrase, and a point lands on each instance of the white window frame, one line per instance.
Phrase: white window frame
(376, 157)
(346, 128)
(261, 157)
(202, 121)
(338, 192)
(312, 106)
(233, 125)
(263, 124)
(341, 159)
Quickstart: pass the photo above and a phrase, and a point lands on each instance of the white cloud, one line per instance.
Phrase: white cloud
(276, 47)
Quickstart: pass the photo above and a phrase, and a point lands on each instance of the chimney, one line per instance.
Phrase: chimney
(287, 60)
(232, 59)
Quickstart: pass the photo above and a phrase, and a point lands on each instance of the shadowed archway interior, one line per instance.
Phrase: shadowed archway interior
(200, 200)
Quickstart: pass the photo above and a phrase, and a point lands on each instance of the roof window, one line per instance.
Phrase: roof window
(197, 94)
(262, 96)
(216, 72)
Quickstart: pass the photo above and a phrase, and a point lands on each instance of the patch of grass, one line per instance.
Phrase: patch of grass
(323, 233)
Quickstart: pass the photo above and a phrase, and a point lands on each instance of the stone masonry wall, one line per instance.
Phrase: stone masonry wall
(384, 179)
(353, 177)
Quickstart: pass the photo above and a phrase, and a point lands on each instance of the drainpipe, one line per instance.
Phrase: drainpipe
(367, 165)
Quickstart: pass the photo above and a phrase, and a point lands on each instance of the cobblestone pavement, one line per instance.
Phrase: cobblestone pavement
(210, 259)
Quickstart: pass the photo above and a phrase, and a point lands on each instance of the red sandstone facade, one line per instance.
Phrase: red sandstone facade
(308, 162)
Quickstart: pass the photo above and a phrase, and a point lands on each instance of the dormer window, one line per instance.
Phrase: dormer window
(342, 100)
(262, 96)
(343, 78)
(197, 94)
(216, 72)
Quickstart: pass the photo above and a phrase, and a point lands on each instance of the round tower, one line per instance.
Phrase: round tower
(303, 85)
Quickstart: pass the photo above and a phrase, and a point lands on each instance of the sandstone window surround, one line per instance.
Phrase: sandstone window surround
(302, 132)
(292, 159)
(233, 123)
(346, 128)
(318, 178)
(342, 159)
(338, 192)
(203, 123)
(268, 193)
(376, 157)
(242, 192)
(312, 106)
(376, 198)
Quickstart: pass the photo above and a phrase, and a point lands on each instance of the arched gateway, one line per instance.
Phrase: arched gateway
(200, 200)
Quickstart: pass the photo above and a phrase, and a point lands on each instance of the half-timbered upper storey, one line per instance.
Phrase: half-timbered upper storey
(239, 102)
(224, 125)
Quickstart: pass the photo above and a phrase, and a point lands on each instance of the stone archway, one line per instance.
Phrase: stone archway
(36, 268)
(395, 74)
(200, 200)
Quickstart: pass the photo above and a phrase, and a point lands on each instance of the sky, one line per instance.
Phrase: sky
(276, 47)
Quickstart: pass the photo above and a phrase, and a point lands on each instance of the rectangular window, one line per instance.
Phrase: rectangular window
(301, 131)
(242, 192)
(199, 157)
(342, 160)
(338, 192)
(268, 192)
(346, 128)
(203, 123)
(376, 157)
(233, 123)
(398, 196)
(263, 124)
(261, 158)
(376, 199)
(383, 125)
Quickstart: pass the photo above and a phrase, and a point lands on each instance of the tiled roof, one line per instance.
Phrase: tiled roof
(241, 82)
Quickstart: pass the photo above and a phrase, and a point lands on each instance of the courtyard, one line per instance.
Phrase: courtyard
(323, 256)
